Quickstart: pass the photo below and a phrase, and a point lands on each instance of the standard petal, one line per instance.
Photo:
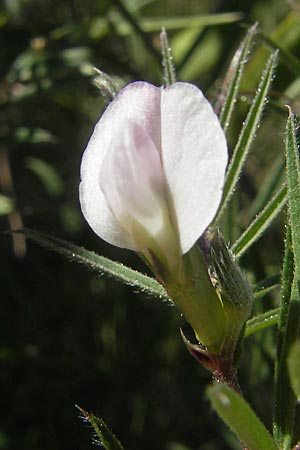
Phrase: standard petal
(139, 102)
(194, 154)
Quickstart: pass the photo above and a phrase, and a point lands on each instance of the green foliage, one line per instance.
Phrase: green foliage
(239, 416)
(247, 134)
(196, 21)
(232, 82)
(285, 400)
(293, 362)
(103, 434)
(261, 223)
(262, 321)
(99, 263)
(293, 182)
(265, 286)
(167, 59)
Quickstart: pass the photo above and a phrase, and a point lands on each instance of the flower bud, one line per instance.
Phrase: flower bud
(234, 290)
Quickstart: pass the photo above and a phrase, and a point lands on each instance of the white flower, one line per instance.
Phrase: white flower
(153, 171)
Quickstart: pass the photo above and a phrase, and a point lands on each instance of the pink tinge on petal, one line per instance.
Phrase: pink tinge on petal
(132, 180)
(139, 102)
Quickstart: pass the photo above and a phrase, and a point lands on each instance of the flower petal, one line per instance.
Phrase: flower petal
(139, 102)
(194, 154)
(133, 181)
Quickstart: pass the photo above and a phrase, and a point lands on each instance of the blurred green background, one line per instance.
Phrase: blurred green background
(69, 336)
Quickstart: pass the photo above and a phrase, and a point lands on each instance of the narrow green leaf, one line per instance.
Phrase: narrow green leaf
(240, 417)
(231, 227)
(200, 55)
(197, 21)
(265, 286)
(297, 429)
(293, 182)
(167, 59)
(262, 321)
(286, 281)
(155, 24)
(289, 323)
(261, 222)
(233, 78)
(104, 436)
(247, 135)
(99, 263)
(285, 406)
(294, 367)
(280, 375)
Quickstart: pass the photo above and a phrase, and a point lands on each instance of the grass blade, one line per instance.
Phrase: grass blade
(98, 263)
(155, 24)
(280, 374)
(293, 182)
(289, 323)
(247, 134)
(167, 59)
(262, 321)
(285, 400)
(286, 281)
(294, 368)
(233, 78)
(199, 20)
(265, 286)
(294, 373)
(240, 417)
(261, 222)
(103, 434)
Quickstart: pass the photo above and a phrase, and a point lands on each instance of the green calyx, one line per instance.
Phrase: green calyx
(216, 302)
(193, 293)
(234, 290)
